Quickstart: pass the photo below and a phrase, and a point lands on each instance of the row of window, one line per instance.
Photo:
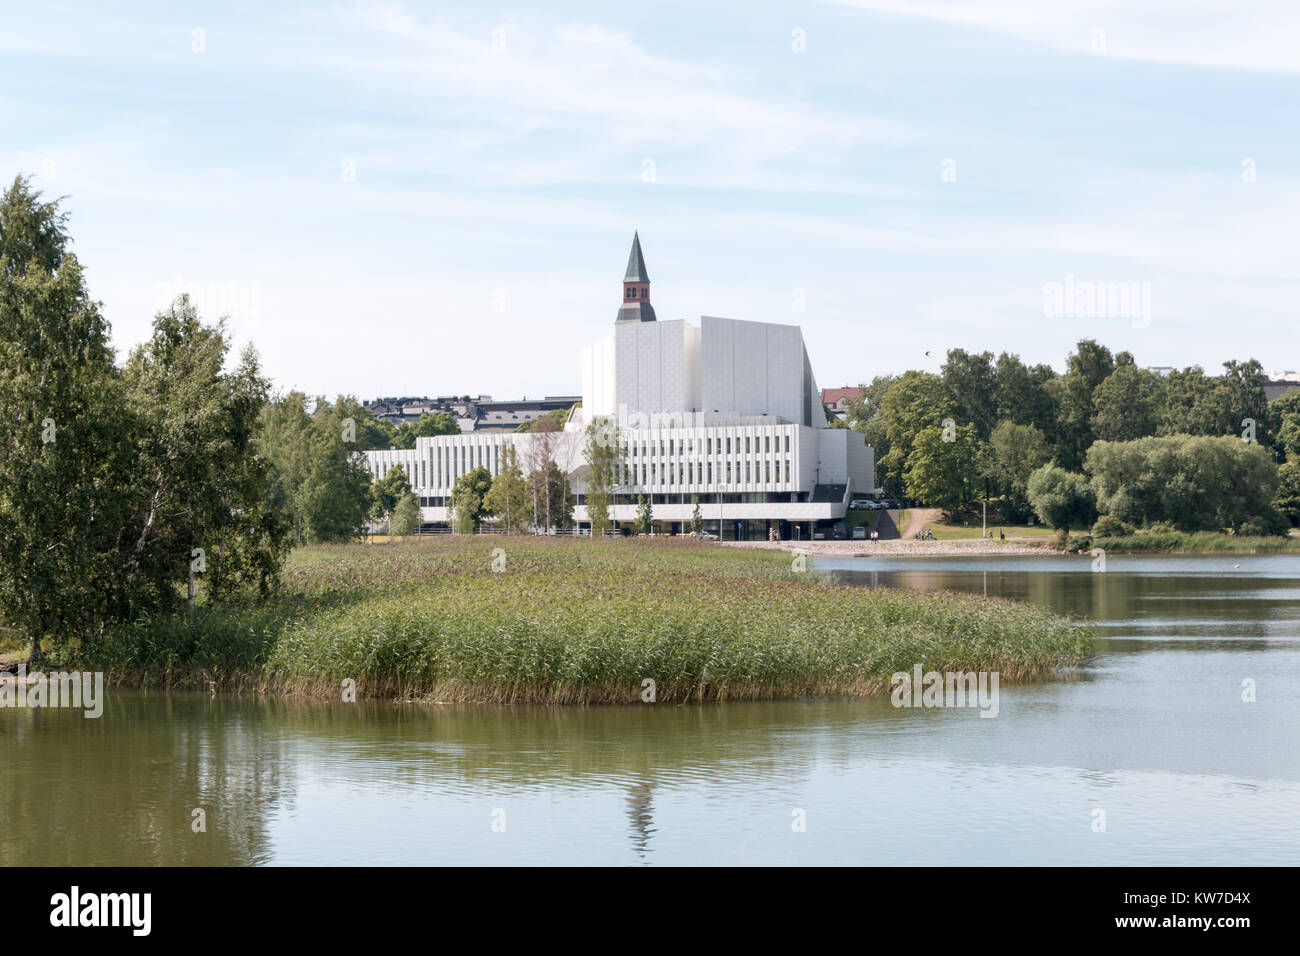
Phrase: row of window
(687, 473)
(640, 448)
(450, 462)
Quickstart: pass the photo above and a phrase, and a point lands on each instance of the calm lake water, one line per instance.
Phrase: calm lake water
(1153, 731)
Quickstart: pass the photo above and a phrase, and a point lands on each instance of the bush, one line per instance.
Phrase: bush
(1264, 525)
(1062, 499)
(1108, 526)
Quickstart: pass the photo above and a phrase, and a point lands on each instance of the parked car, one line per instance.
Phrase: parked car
(862, 504)
(860, 533)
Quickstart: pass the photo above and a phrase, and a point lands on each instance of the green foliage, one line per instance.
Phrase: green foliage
(1287, 499)
(972, 381)
(863, 415)
(1089, 366)
(1192, 483)
(1196, 404)
(573, 622)
(469, 498)
(1108, 526)
(116, 488)
(318, 478)
(1127, 404)
(1023, 396)
(1061, 499)
(1285, 412)
(406, 518)
(1012, 455)
(940, 472)
(509, 498)
(644, 515)
(386, 492)
(697, 519)
(429, 425)
(371, 433)
(551, 421)
(605, 454)
(65, 458)
(915, 401)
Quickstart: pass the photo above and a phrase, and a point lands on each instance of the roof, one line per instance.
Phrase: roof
(833, 396)
(636, 263)
(638, 311)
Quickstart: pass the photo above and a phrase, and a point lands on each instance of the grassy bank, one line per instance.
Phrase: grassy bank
(1199, 542)
(574, 621)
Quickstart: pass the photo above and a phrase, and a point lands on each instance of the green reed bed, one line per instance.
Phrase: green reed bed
(1197, 542)
(584, 622)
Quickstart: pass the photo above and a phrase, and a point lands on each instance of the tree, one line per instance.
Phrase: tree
(551, 421)
(65, 470)
(697, 519)
(1194, 483)
(644, 515)
(335, 497)
(915, 400)
(1286, 415)
(1023, 394)
(604, 453)
(371, 432)
(1013, 453)
(469, 500)
(1243, 386)
(1196, 404)
(1062, 499)
(971, 380)
(1126, 404)
(386, 492)
(1287, 498)
(406, 516)
(508, 498)
(546, 457)
(1088, 366)
(941, 472)
(202, 489)
(429, 425)
(863, 414)
(318, 477)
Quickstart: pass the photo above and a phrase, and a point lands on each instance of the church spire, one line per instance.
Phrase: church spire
(636, 305)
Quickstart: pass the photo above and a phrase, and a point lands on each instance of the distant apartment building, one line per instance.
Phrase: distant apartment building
(473, 414)
(725, 414)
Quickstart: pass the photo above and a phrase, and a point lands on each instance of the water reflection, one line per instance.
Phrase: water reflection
(1154, 729)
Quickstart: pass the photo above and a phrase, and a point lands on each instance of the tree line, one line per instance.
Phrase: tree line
(1093, 441)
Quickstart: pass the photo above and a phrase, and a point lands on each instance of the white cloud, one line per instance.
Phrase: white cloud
(1234, 34)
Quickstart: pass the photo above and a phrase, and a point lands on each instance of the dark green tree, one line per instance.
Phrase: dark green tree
(65, 456)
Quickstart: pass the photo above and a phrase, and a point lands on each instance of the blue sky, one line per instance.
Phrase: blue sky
(422, 198)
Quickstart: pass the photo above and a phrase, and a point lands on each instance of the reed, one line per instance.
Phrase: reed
(571, 622)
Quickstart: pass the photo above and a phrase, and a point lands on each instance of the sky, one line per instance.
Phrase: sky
(429, 199)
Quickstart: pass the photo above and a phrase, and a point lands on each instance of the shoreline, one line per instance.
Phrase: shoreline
(896, 547)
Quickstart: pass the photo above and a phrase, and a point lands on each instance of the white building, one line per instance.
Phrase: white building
(725, 414)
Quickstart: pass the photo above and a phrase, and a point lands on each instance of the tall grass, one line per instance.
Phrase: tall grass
(583, 622)
(1201, 542)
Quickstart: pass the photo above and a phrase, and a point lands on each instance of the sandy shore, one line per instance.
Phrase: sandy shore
(902, 546)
